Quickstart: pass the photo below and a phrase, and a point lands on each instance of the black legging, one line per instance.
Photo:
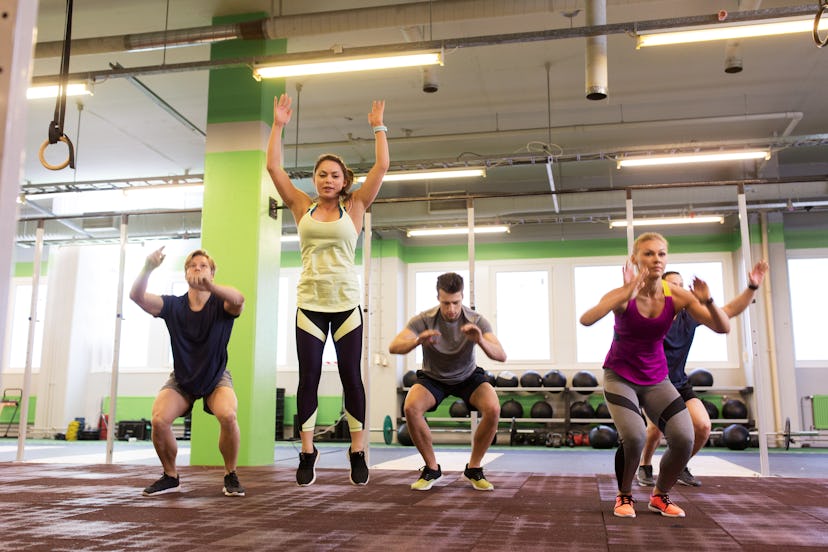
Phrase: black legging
(666, 408)
(311, 333)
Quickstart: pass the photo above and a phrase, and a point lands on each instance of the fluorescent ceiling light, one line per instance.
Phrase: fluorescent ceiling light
(700, 157)
(728, 31)
(664, 221)
(51, 90)
(333, 65)
(454, 231)
(290, 238)
(404, 176)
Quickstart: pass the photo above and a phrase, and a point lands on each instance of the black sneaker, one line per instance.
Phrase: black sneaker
(232, 487)
(477, 479)
(164, 485)
(359, 469)
(645, 476)
(687, 478)
(427, 478)
(306, 474)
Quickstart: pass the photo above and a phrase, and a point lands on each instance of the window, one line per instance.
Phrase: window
(21, 303)
(425, 296)
(708, 346)
(808, 309)
(592, 282)
(523, 314)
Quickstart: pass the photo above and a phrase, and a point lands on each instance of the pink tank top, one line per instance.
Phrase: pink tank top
(637, 350)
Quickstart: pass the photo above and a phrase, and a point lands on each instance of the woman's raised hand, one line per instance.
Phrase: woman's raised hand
(377, 109)
(282, 110)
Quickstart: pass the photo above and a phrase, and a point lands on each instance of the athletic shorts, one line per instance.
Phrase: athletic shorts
(686, 391)
(464, 389)
(225, 381)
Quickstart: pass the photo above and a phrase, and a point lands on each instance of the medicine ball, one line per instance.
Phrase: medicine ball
(507, 379)
(530, 378)
(409, 378)
(603, 437)
(700, 378)
(581, 409)
(554, 378)
(492, 378)
(511, 409)
(602, 411)
(734, 409)
(458, 409)
(584, 379)
(736, 437)
(403, 437)
(712, 409)
(541, 409)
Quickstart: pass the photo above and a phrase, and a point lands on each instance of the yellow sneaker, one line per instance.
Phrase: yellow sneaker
(662, 505)
(428, 477)
(624, 506)
(477, 479)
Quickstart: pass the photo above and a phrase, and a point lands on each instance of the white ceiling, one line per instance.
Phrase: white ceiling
(493, 104)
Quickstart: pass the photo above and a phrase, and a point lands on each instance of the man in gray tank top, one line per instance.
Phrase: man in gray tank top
(448, 334)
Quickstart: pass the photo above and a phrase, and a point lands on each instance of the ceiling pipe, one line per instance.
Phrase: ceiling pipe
(596, 52)
(632, 28)
(306, 24)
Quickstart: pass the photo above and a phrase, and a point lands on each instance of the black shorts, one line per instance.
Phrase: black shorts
(464, 389)
(686, 391)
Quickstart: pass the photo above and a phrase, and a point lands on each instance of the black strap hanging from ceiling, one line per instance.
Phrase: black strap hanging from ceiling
(56, 126)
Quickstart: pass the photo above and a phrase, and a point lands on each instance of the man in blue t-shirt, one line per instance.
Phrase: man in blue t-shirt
(448, 334)
(677, 344)
(199, 323)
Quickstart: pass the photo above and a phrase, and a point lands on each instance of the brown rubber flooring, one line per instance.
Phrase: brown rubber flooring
(100, 508)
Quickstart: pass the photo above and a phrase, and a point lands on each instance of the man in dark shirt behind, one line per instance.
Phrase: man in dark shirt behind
(677, 344)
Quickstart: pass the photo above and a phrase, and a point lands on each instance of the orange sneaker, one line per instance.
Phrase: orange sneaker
(624, 506)
(662, 505)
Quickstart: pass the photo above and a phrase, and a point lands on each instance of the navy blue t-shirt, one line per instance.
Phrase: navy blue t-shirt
(199, 342)
(677, 344)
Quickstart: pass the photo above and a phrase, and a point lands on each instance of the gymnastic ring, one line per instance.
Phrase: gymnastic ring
(63, 165)
(819, 41)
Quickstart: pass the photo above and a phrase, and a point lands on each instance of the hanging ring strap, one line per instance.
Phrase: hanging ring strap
(56, 126)
(820, 42)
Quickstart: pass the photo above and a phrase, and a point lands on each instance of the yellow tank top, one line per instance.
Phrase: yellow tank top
(328, 282)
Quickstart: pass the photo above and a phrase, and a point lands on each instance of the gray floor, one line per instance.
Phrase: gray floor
(805, 463)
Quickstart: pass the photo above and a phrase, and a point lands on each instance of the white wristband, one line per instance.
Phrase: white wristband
(380, 128)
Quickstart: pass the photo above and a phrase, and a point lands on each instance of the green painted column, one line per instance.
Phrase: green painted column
(238, 231)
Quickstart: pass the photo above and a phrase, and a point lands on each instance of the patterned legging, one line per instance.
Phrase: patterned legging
(311, 333)
(666, 408)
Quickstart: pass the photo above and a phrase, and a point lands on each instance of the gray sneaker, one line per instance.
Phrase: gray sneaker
(687, 478)
(232, 487)
(645, 476)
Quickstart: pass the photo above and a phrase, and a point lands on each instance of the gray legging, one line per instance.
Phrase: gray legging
(666, 408)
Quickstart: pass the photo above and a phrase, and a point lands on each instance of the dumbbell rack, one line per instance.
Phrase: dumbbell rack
(570, 395)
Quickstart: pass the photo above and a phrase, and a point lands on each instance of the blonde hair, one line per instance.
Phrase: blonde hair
(647, 236)
(200, 253)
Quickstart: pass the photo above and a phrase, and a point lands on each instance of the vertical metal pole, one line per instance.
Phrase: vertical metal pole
(470, 223)
(23, 420)
(366, 329)
(750, 338)
(630, 228)
(116, 352)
